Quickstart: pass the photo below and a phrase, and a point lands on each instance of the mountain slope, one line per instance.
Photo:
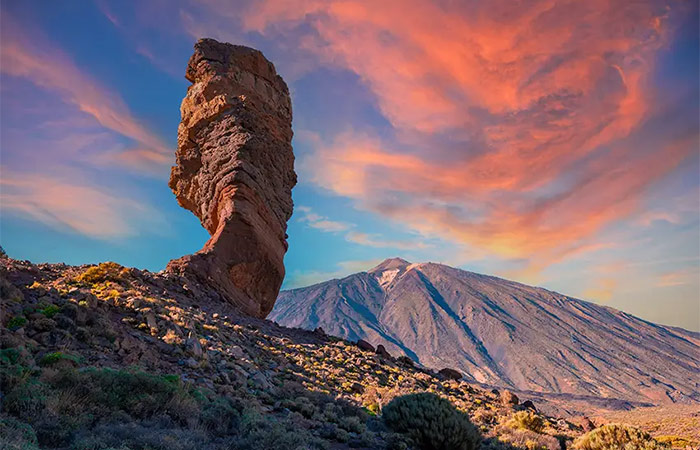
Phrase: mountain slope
(501, 332)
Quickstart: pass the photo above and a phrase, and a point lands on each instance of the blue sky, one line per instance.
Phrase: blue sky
(555, 145)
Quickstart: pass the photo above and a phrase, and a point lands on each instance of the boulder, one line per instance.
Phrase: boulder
(365, 346)
(235, 171)
(451, 374)
(508, 398)
(527, 404)
(405, 361)
(382, 351)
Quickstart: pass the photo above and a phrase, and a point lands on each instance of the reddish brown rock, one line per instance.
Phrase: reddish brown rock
(235, 171)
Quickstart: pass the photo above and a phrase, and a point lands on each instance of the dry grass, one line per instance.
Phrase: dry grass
(673, 423)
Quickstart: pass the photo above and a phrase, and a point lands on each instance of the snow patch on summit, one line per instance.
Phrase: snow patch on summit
(386, 277)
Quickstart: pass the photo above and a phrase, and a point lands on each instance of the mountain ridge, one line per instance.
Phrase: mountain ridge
(501, 332)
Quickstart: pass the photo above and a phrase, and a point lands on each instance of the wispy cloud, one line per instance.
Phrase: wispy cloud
(516, 130)
(80, 208)
(324, 224)
(678, 277)
(25, 52)
(320, 222)
(371, 240)
(71, 127)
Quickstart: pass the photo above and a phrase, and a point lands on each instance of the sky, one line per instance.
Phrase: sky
(550, 142)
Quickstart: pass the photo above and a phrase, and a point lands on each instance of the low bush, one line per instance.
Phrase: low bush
(260, 433)
(50, 310)
(617, 437)
(15, 435)
(107, 271)
(53, 358)
(16, 322)
(526, 420)
(432, 422)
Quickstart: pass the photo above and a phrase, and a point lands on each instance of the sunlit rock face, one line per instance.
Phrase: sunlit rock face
(501, 332)
(235, 171)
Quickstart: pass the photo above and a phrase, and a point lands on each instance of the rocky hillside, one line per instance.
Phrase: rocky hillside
(503, 333)
(98, 357)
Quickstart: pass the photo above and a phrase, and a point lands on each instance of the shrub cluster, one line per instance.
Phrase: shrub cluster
(432, 422)
(55, 405)
(617, 437)
(526, 420)
(107, 271)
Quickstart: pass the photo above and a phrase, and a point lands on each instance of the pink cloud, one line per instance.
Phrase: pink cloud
(78, 207)
(27, 54)
(540, 102)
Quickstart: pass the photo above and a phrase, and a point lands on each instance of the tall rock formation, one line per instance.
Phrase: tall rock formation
(235, 171)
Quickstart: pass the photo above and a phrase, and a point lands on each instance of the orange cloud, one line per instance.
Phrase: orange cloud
(677, 278)
(538, 102)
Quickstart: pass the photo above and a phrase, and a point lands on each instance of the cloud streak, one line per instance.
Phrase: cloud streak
(326, 225)
(79, 208)
(32, 57)
(515, 130)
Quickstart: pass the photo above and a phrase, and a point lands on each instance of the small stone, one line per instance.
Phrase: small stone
(191, 363)
(405, 361)
(194, 347)
(585, 423)
(236, 352)
(151, 321)
(260, 381)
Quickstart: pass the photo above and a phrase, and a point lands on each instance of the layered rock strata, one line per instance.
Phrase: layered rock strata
(235, 171)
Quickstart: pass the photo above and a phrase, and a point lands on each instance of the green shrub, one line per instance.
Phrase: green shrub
(526, 420)
(221, 416)
(25, 396)
(16, 322)
(260, 433)
(50, 311)
(617, 437)
(432, 422)
(9, 356)
(53, 358)
(137, 393)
